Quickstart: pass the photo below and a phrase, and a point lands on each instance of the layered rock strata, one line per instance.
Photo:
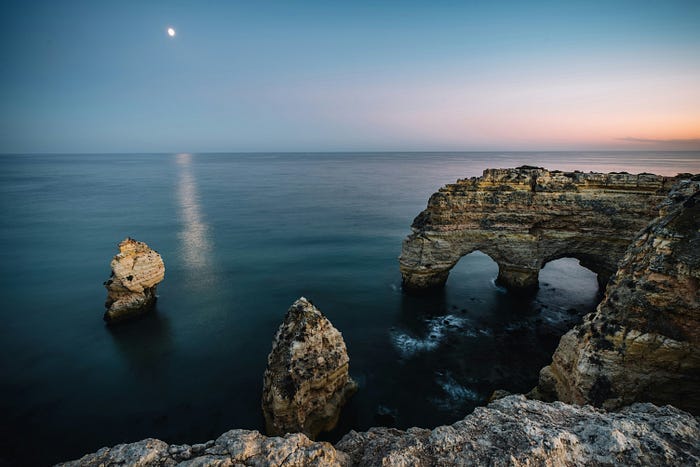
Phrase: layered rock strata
(527, 216)
(306, 381)
(131, 289)
(643, 341)
(510, 431)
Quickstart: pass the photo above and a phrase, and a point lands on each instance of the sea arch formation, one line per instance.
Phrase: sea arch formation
(527, 216)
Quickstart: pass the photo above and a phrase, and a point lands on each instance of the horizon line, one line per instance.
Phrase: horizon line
(81, 153)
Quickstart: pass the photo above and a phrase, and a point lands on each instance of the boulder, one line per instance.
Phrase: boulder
(131, 289)
(306, 381)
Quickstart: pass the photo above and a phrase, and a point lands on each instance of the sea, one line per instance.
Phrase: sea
(242, 237)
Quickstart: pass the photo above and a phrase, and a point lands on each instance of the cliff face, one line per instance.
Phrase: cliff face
(306, 381)
(525, 217)
(131, 289)
(643, 341)
(511, 431)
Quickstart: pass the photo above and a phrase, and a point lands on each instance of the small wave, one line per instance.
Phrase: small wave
(455, 394)
(442, 323)
(500, 288)
(436, 330)
(409, 345)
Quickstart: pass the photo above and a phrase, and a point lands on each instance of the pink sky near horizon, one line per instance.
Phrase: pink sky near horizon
(627, 110)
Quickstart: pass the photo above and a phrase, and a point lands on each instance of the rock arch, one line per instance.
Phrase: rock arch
(526, 217)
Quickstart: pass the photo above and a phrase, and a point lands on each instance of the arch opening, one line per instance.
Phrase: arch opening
(477, 336)
(567, 287)
(476, 268)
(569, 261)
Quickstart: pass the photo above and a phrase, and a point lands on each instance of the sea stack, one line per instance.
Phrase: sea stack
(643, 341)
(306, 381)
(131, 289)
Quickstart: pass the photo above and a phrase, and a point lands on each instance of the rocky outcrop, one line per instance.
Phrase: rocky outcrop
(235, 447)
(643, 341)
(306, 381)
(131, 289)
(510, 431)
(525, 217)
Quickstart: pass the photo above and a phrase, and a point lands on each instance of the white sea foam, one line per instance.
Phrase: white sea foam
(500, 288)
(436, 331)
(408, 345)
(455, 394)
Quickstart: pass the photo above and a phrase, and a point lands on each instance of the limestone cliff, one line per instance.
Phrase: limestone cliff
(525, 217)
(306, 381)
(643, 341)
(131, 289)
(511, 431)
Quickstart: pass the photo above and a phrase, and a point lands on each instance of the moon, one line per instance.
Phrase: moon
(171, 32)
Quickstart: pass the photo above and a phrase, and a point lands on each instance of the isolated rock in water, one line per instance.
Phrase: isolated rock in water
(527, 216)
(511, 431)
(306, 381)
(131, 289)
(643, 341)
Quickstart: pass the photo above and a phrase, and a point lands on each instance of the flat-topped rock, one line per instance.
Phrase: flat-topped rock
(527, 216)
(306, 381)
(131, 289)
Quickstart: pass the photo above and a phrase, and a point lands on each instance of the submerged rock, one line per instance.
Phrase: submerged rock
(131, 289)
(527, 216)
(643, 341)
(306, 381)
(510, 431)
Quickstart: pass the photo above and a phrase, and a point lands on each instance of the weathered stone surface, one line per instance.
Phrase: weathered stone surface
(526, 217)
(306, 381)
(131, 289)
(235, 447)
(516, 431)
(643, 341)
(510, 431)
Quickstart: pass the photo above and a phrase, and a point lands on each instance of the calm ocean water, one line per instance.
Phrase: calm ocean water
(243, 236)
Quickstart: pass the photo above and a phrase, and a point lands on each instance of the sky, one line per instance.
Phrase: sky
(354, 75)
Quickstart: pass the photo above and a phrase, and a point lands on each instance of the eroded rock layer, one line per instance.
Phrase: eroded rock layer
(306, 381)
(525, 217)
(511, 431)
(131, 289)
(643, 341)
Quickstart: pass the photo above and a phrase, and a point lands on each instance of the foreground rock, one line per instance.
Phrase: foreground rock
(525, 217)
(510, 431)
(234, 447)
(131, 289)
(306, 381)
(643, 341)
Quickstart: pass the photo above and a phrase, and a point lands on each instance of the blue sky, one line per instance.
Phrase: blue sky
(355, 75)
